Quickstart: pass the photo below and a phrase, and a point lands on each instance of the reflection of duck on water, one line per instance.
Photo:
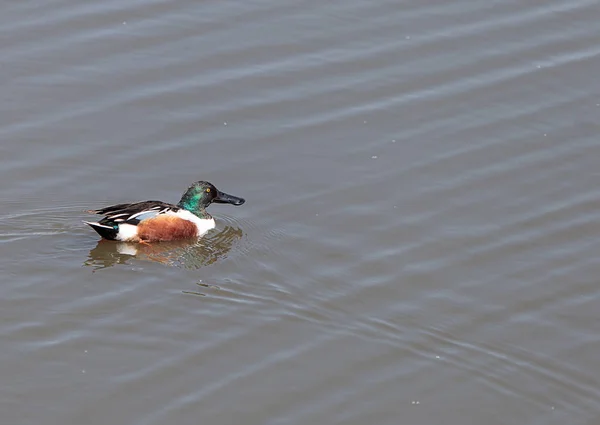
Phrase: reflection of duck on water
(153, 221)
(191, 254)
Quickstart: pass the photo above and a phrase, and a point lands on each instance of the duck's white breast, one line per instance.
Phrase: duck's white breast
(202, 224)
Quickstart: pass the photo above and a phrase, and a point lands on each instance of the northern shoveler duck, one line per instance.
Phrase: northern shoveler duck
(152, 221)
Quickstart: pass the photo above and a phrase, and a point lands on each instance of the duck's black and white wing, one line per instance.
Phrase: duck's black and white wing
(133, 213)
(111, 226)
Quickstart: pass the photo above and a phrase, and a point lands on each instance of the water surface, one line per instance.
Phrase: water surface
(419, 243)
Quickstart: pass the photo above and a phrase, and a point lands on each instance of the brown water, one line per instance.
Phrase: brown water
(420, 242)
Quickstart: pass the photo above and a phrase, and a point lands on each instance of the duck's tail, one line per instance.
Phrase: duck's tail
(107, 232)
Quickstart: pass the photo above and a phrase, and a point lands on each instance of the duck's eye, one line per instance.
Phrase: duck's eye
(207, 189)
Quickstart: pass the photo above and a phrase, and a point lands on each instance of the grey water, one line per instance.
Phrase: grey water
(420, 241)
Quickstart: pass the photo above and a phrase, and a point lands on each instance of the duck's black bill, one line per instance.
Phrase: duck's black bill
(224, 198)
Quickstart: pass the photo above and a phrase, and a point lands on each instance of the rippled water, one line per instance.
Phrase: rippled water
(419, 243)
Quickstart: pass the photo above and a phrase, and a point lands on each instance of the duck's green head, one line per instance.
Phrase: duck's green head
(201, 194)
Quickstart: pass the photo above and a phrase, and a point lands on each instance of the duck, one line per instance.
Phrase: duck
(155, 221)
